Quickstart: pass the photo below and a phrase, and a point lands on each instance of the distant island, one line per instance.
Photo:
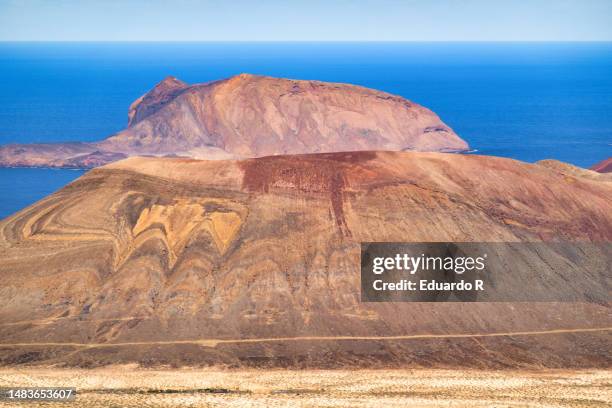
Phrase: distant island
(252, 116)
(604, 166)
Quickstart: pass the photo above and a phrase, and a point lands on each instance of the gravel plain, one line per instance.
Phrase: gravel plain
(131, 386)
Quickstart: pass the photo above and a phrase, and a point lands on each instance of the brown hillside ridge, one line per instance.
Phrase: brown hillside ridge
(252, 116)
(256, 263)
(604, 166)
(571, 170)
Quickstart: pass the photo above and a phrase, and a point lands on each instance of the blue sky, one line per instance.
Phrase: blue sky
(312, 20)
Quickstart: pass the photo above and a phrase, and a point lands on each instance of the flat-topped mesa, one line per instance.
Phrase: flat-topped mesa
(252, 116)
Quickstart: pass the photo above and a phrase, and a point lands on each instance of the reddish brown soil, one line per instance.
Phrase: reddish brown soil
(324, 173)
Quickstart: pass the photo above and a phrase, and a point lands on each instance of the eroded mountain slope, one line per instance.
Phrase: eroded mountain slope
(183, 261)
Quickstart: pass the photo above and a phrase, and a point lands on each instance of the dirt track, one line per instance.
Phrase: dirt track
(214, 342)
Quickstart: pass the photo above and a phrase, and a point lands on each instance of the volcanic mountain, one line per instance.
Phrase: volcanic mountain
(252, 116)
(256, 262)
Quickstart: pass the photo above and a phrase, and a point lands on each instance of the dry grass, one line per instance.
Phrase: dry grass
(129, 386)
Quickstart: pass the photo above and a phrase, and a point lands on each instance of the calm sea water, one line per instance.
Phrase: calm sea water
(527, 101)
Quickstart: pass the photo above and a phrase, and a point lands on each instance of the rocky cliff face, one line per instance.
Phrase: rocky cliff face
(256, 262)
(155, 99)
(252, 116)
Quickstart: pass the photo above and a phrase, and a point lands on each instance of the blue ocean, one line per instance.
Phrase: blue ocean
(527, 101)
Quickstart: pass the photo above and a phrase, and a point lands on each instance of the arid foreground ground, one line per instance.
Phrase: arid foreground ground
(126, 386)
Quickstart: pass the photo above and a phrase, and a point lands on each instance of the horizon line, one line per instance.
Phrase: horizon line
(304, 41)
